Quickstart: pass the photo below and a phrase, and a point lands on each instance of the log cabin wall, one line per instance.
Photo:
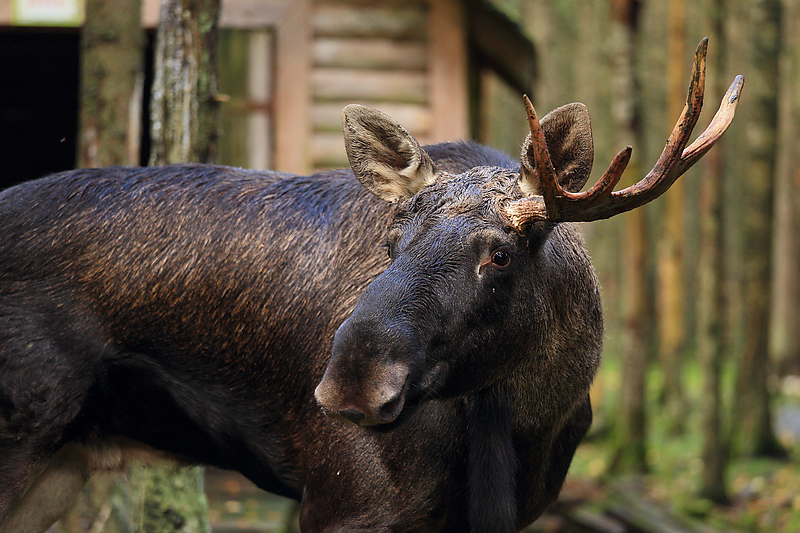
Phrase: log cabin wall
(407, 58)
(296, 63)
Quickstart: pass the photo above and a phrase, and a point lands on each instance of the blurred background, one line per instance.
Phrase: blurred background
(698, 398)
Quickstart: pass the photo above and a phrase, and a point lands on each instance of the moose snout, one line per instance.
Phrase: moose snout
(378, 403)
(367, 379)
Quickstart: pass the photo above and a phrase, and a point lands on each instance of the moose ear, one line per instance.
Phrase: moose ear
(568, 132)
(385, 158)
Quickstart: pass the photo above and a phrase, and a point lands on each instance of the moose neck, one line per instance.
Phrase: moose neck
(492, 461)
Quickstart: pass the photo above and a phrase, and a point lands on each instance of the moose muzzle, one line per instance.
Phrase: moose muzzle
(368, 377)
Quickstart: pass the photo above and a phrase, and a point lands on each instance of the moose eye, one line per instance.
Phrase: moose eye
(388, 248)
(501, 258)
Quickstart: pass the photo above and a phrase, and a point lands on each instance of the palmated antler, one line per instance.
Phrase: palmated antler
(601, 201)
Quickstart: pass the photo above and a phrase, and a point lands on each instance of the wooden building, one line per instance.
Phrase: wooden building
(417, 60)
(289, 66)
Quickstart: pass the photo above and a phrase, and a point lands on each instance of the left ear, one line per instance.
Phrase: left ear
(385, 158)
(568, 133)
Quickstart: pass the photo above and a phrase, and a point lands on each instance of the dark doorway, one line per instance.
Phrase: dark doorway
(38, 102)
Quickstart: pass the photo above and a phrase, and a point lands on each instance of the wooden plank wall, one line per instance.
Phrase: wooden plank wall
(293, 38)
(373, 53)
(407, 58)
(404, 57)
(448, 50)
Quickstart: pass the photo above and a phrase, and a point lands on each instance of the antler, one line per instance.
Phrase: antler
(601, 201)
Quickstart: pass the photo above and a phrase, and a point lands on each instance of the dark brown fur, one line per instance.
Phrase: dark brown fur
(193, 309)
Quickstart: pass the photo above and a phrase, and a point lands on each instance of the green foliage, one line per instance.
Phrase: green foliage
(765, 493)
(170, 499)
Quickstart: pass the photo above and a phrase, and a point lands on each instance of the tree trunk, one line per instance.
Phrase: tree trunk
(184, 111)
(630, 436)
(711, 297)
(111, 79)
(784, 340)
(751, 406)
(671, 303)
(184, 127)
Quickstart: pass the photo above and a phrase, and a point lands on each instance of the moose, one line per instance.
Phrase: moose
(408, 351)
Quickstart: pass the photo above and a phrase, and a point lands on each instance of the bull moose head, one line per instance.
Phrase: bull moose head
(465, 300)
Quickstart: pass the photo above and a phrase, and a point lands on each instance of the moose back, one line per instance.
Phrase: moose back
(440, 310)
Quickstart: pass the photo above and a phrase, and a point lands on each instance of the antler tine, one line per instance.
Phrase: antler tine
(665, 171)
(605, 185)
(722, 119)
(541, 164)
(522, 212)
(600, 202)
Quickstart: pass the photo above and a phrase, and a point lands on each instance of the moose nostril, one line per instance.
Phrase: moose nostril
(353, 415)
(391, 409)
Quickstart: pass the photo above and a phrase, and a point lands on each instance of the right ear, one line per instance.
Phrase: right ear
(568, 133)
(385, 158)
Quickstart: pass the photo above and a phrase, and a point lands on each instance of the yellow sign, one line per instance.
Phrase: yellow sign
(48, 12)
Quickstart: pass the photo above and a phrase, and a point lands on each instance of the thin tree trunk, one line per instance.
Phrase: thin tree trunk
(711, 347)
(184, 111)
(751, 406)
(112, 58)
(792, 122)
(184, 127)
(630, 431)
(671, 311)
(785, 324)
(711, 298)
(111, 79)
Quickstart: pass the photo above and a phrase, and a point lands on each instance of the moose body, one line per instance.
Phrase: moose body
(217, 315)
(193, 308)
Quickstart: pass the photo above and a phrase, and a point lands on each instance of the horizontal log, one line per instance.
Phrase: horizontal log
(369, 53)
(417, 119)
(255, 14)
(627, 505)
(327, 151)
(352, 85)
(387, 21)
